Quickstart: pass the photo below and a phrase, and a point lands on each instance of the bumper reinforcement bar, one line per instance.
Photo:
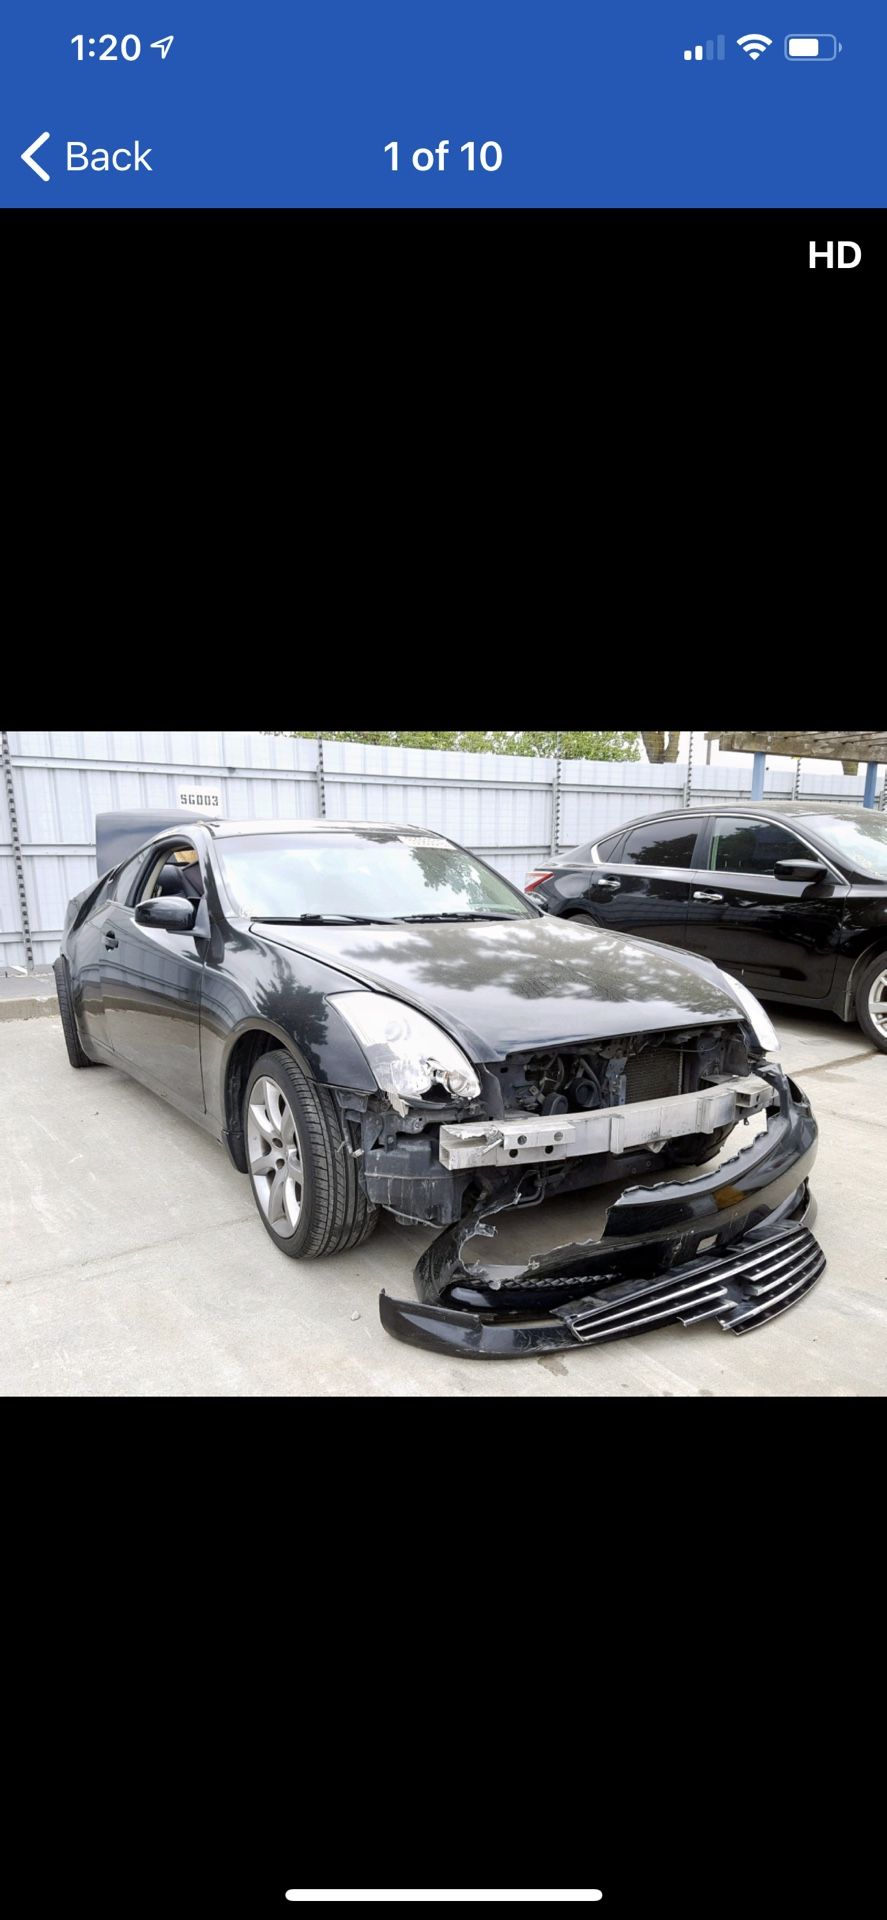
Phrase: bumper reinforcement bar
(533, 1138)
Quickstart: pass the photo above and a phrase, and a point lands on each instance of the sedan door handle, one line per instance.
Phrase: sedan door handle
(111, 940)
(613, 885)
(710, 896)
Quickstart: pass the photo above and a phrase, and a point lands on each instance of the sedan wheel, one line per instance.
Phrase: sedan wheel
(878, 1002)
(871, 1002)
(275, 1157)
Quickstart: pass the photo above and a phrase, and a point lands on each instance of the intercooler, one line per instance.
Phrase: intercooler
(654, 1074)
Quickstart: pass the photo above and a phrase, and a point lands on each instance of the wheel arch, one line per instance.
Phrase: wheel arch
(864, 959)
(245, 1047)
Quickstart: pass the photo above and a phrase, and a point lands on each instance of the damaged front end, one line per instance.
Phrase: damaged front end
(731, 1244)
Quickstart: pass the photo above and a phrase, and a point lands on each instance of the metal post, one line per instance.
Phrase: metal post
(556, 801)
(871, 784)
(689, 780)
(321, 787)
(797, 786)
(757, 778)
(18, 862)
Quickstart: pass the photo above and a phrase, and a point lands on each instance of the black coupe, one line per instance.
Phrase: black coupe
(369, 1017)
(791, 898)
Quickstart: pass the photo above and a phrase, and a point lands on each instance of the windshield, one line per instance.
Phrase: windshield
(861, 843)
(360, 876)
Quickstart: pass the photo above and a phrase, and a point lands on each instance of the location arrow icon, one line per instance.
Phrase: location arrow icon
(163, 46)
(28, 157)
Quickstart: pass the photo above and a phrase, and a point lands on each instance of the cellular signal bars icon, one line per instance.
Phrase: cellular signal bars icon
(708, 51)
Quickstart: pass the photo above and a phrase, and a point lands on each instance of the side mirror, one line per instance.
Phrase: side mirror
(542, 904)
(809, 871)
(170, 913)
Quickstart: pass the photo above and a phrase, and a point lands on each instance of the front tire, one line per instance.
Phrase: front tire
(301, 1170)
(75, 1051)
(871, 1002)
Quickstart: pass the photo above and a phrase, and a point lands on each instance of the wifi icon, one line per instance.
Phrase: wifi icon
(754, 44)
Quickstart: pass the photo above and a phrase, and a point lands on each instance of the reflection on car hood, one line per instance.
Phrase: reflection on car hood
(502, 985)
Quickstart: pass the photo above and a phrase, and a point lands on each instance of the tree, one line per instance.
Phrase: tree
(574, 746)
(661, 747)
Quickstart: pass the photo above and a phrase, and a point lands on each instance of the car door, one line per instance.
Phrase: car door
(151, 990)
(779, 936)
(647, 889)
(86, 952)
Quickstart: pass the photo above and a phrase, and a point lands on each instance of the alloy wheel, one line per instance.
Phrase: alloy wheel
(878, 1002)
(275, 1157)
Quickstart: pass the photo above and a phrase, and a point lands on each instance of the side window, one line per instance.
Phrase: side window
(102, 893)
(176, 870)
(661, 843)
(751, 846)
(127, 877)
(606, 849)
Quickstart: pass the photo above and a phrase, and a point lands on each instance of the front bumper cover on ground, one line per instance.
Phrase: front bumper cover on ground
(733, 1245)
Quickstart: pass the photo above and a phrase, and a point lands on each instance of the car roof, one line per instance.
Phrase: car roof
(800, 809)
(228, 829)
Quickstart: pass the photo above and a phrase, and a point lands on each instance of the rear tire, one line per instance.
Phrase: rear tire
(302, 1173)
(75, 1051)
(871, 1002)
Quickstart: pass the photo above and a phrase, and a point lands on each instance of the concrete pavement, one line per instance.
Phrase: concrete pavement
(132, 1261)
(27, 996)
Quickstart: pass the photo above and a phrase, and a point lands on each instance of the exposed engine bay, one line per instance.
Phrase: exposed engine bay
(582, 1114)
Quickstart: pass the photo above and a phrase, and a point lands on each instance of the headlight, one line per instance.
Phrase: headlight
(761, 1024)
(408, 1054)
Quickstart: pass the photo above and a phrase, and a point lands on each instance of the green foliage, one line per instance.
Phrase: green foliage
(574, 746)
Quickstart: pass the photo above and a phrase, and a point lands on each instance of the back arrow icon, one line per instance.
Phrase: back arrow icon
(28, 156)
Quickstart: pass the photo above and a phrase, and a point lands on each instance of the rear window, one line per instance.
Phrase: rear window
(661, 843)
(606, 849)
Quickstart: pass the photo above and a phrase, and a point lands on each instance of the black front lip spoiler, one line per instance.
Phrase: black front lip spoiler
(733, 1245)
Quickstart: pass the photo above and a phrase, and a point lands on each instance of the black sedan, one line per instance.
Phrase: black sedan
(370, 1018)
(790, 898)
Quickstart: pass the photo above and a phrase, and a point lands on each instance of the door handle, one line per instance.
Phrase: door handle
(111, 940)
(710, 896)
(613, 885)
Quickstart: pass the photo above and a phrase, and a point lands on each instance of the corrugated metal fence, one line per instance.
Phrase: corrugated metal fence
(513, 811)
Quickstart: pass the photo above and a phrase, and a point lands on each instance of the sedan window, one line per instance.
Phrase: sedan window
(859, 843)
(752, 846)
(661, 843)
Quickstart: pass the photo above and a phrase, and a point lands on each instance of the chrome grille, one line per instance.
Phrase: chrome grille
(749, 1283)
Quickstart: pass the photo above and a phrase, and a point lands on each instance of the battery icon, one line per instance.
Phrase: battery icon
(812, 46)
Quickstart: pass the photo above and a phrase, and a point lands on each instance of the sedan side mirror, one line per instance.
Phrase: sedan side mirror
(809, 871)
(170, 913)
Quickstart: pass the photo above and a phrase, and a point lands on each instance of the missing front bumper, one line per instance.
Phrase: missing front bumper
(732, 1245)
(752, 1282)
(541, 1138)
